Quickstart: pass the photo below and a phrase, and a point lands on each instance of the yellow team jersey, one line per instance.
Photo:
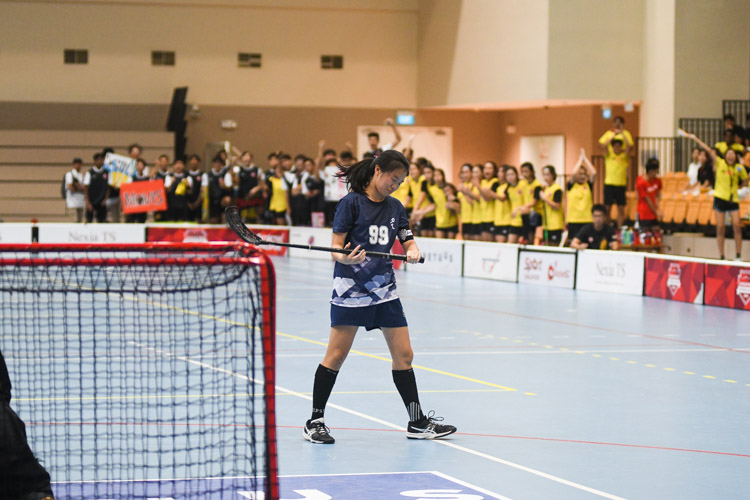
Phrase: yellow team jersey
(415, 188)
(616, 168)
(728, 180)
(502, 207)
(278, 195)
(403, 192)
(580, 203)
(528, 195)
(515, 197)
(553, 218)
(476, 208)
(488, 206)
(623, 136)
(444, 217)
(723, 147)
(466, 205)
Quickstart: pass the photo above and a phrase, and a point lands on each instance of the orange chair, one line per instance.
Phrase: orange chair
(681, 181)
(693, 209)
(680, 208)
(706, 210)
(631, 207)
(669, 209)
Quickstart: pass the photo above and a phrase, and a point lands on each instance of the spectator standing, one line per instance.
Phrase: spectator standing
(730, 142)
(580, 196)
(487, 187)
(693, 169)
(446, 217)
(74, 190)
(598, 235)
(195, 200)
(423, 215)
(730, 175)
(141, 175)
(248, 185)
(278, 202)
(178, 186)
(96, 190)
(161, 171)
(502, 209)
(514, 194)
(649, 188)
(373, 139)
(616, 163)
(312, 188)
(551, 198)
(467, 198)
(618, 131)
(219, 190)
(532, 203)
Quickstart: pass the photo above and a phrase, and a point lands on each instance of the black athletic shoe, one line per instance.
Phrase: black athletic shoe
(429, 428)
(316, 432)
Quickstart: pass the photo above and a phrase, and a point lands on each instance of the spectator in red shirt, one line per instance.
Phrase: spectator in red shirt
(649, 192)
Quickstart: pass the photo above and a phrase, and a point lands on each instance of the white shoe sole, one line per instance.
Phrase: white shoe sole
(309, 438)
(427, 435)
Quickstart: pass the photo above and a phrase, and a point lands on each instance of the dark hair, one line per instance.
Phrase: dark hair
(178, 160)
(616, 141)
(284, 156)
(509, 168)
(217, 159)
(77, 160)
(359, 175)
(453, 189)
(330, 162)
(729, 131)
(422, 161)
(346, 155)
(107, 150)
(167, 157)
(134, 145)
(194, 157)
(368, 155)
(551, 170)
(652, 164)
(373, 134)
(98, 156)
(530, 166)
(329, 151)
(494, 167)
(442, 172)
(599, 208)
(272, 155)
(141, 160)
(729, 116)
(300, 157)
(465, 165)
(618, 117)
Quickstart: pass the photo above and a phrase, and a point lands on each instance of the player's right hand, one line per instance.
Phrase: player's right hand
(357, 256)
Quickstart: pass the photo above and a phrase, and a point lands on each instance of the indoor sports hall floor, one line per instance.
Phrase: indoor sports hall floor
(556, 394)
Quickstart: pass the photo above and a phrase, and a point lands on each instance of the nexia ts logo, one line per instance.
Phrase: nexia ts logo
(673, 277)
(553, 272)
(743, 285)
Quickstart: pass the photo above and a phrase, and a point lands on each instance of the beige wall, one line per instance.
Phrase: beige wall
(658, 115)
(473, 51)
(712, 57)
(595, 49)
(377, 40)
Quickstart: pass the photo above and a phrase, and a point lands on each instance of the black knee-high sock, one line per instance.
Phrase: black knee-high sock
(406, 383)
(322, 387)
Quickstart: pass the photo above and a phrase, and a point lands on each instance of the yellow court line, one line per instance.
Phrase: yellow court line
(420, 367)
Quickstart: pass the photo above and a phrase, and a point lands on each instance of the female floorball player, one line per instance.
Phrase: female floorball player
(364, 289)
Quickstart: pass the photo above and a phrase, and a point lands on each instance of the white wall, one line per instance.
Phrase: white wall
(377, 40)
(658, 111)
(473, 51)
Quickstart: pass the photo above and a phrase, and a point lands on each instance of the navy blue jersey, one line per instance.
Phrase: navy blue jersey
(374, 226)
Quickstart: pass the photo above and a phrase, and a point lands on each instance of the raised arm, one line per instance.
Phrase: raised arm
(392, 124)
(708, 149)
(586, 163)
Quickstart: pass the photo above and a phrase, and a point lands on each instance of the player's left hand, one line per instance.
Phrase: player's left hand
(413, 256)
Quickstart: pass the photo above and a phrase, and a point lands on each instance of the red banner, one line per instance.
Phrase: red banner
(728, 286)
(675, 280)
(144, 196)
(208, 233)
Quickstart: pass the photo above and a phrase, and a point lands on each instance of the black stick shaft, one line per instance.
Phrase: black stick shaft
(382, 255)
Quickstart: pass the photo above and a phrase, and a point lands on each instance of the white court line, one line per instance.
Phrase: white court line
(397, 427)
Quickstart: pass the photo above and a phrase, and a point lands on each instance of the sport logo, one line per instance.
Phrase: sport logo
(553, 272)
(743, 285)
(393, 221)
(673, 277)
(532, 264)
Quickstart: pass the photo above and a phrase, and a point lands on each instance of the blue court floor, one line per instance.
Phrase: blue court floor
(556, 394)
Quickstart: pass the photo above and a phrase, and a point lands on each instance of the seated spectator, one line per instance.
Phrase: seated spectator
(179, 186)
(649, 192)
(74, 197)
(706, 175)
(96, 190)
(598, 235)
(693, 168)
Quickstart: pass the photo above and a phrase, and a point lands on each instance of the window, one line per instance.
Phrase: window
(162, 58)
(332, 62)
(76, 56)
(247, 60)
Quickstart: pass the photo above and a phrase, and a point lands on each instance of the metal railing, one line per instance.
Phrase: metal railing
(664, 149)
(737, 107)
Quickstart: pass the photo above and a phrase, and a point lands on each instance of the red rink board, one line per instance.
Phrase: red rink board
(208, 233)
(675, 280)
(728, 286)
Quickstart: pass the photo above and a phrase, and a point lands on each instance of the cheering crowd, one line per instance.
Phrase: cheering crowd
(487, 203)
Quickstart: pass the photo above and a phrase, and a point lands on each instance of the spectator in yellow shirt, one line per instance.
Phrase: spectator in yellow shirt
(729, 142)
(468, 195)
(730, 175)
(616, 132)
(616, 163)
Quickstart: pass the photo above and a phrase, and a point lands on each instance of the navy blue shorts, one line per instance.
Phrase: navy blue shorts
(384, 315)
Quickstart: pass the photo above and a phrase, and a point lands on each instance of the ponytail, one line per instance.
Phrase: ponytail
(359, 175)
